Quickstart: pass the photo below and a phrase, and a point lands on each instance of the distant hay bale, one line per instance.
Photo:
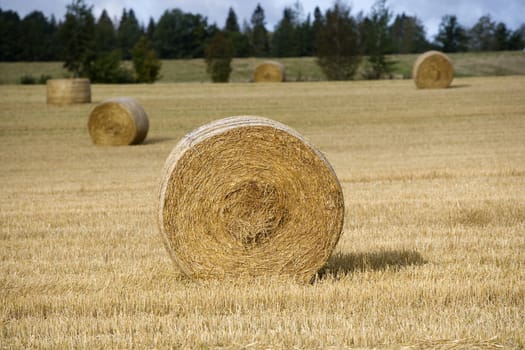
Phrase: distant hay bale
(118, 122)
(68, 91)
(248, 196)
(433, 70)
(269, 72)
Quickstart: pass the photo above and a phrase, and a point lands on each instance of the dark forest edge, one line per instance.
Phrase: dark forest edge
(363, 45)
(37, 38)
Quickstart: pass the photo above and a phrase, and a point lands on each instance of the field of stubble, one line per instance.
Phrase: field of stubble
(432, 254)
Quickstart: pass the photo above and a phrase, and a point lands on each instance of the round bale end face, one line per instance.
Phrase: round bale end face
(433, 70)
(118, 122)
(269, 72)
(248, 196)
(68, 91)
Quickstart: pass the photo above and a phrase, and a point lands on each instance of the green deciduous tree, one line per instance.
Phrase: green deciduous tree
(180, 35)
(107, 68)
(145, 61)
(338, 52)
(219, 55)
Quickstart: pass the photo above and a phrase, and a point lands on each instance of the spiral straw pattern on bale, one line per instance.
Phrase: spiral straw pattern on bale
(119, 121)
(248, 196)
(269, 72)
(68, 91)
(433, 70)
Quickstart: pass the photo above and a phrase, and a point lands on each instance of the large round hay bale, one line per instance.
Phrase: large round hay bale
(248, 196)
(118, 121)
(433, 70)
(269, 72)
(68, 91)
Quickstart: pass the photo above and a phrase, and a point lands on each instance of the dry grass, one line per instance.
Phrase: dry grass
(431, 254)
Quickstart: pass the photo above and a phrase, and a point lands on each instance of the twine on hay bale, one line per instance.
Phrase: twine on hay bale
(68, 91)
(269, 72)
(119, 121)
(433, 70)
(248, 196)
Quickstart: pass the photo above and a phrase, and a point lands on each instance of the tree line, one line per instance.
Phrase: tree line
(94, 47)
(178, 34)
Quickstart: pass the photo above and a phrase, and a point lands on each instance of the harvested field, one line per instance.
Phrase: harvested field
(431, 255)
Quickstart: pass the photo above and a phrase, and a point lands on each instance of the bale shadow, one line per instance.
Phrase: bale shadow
(154, 140)
(459, 86)
(342, 264)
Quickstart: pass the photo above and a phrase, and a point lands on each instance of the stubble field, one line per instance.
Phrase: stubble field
(431, 256)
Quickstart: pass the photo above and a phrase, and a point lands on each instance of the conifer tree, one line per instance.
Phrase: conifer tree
(128, 33)
(105, 34)
(451, 37)
(241, 43)
(259, 34)
(78, 36)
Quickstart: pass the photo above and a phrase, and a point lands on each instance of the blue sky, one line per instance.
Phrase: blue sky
(430, 12)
